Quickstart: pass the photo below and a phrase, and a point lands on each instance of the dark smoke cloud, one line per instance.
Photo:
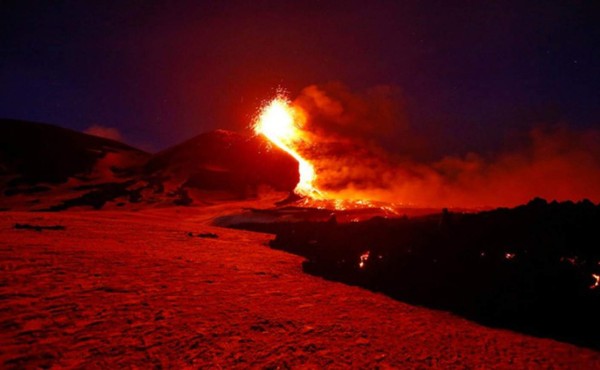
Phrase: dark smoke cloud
(347, 135)
(334, 109)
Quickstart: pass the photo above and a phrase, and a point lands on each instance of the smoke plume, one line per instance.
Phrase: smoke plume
(348, 133)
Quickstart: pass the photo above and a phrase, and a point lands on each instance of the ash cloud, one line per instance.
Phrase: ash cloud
(334, 109)
(349, 131)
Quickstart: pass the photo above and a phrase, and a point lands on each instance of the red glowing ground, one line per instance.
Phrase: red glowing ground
(120, 289)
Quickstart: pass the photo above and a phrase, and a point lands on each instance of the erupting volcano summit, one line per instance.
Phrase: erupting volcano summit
(282, 123)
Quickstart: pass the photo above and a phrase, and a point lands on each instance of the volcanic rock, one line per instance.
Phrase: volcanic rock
(224, 160)
(44, 167)
(32, 153)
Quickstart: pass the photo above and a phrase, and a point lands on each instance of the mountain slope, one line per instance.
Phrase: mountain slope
(224, 160)
(32, 153)
(45, 167)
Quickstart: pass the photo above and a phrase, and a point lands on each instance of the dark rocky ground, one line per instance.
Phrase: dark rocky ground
(533, 268)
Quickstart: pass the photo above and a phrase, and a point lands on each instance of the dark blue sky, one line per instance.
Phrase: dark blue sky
(472, 72)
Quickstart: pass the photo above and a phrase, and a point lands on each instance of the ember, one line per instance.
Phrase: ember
(596, 281)
(363, 258)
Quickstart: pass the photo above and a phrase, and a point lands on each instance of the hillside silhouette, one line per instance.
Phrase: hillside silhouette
(46, 167)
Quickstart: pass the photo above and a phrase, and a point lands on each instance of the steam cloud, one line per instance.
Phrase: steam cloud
(105, 132)
(347, 131)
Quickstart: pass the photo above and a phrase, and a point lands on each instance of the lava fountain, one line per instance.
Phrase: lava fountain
(281, 124)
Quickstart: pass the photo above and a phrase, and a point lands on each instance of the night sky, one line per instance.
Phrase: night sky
(163, 71)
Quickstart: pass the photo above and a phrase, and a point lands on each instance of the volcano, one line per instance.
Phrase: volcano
(224, 160)
(46, 167)
(133, 268)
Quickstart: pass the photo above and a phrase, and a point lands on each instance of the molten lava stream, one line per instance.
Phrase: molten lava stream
(281, 124)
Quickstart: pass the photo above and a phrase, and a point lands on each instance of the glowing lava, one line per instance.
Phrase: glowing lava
(281, 124)
(363, 259)
(596, 281)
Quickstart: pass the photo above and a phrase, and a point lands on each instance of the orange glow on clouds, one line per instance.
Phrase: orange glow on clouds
(337, 136)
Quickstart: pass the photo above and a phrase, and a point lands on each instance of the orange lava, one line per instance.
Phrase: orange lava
(596, 281)
(281, 123)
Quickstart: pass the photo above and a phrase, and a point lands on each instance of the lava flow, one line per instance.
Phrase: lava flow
(281, 124)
